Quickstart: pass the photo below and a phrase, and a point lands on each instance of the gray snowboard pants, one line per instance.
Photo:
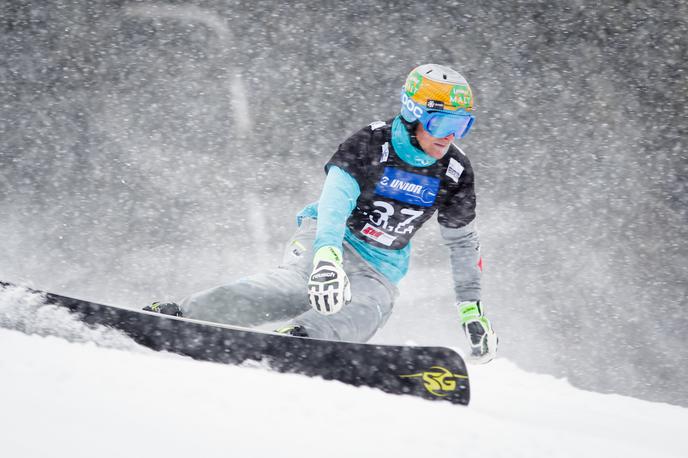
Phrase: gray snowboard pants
(281, 294)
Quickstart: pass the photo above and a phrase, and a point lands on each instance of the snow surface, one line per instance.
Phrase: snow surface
(77, 399)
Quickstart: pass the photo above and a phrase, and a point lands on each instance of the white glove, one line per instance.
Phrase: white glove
(328, 286)
(481, 337)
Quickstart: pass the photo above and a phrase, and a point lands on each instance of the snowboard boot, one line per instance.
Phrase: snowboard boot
(166, 308)
(294, 330)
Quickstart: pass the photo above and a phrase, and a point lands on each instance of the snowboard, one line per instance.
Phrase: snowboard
(433, 373)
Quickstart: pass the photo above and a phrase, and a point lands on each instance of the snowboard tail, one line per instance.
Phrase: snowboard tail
(434, 373)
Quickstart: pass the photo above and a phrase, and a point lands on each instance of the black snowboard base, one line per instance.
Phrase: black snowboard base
(434, 373)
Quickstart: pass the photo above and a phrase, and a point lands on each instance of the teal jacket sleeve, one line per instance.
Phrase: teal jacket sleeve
(337, 201)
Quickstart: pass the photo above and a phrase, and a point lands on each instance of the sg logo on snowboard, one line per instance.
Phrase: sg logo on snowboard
(438, 380)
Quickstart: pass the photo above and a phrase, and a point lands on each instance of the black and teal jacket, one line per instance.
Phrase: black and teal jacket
(380, 189)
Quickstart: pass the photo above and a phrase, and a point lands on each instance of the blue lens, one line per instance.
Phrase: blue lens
(441, 125)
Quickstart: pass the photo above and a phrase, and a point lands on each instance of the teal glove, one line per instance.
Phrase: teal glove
(481, 337)
(328, 285)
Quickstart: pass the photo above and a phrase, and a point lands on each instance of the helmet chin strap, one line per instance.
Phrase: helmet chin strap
(411, 129)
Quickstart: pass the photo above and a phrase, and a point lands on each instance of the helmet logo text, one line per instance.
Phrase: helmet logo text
(461, 95)
(411, 106)
(413, 83)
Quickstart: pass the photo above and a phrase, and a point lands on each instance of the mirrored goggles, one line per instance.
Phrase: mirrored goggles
(441, 124)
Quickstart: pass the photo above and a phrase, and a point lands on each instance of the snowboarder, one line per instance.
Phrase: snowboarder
(352, 247)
